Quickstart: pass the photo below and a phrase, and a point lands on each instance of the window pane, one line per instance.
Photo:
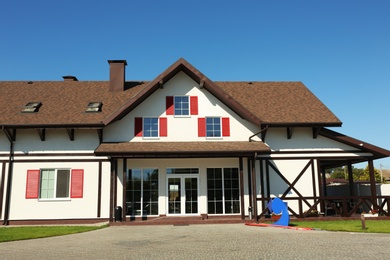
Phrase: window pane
(47, 184)
(142, 192)
(213, 127)
(150, 127)
(62, 184)
(181, 105)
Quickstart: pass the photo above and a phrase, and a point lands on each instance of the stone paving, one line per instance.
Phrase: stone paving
(212, 241)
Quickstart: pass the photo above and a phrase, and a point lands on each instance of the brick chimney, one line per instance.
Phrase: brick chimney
(117, 75)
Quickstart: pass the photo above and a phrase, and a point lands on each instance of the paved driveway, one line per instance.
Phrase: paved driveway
(230, 241)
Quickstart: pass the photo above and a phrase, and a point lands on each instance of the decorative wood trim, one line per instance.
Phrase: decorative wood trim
(100, 134)
(10, 133)
(70, 132)
(201, 84)
(316, 131)
(42, 133)
(263, 132)
(290, 131)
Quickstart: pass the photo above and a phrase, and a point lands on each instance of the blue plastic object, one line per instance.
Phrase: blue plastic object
(277, 206)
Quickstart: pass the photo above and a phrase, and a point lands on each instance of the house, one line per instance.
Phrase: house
(179, 145)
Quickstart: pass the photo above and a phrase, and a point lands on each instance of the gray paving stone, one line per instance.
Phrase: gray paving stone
(220, 241)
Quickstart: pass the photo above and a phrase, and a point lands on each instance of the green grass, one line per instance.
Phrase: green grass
(372, 226)
(22, 233)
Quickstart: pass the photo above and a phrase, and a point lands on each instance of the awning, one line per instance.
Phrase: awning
(182, 149)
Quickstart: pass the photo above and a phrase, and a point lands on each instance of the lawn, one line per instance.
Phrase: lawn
(22, 233)
(372, 226)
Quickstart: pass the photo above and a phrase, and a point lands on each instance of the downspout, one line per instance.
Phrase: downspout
(262, 130)
(9, 184)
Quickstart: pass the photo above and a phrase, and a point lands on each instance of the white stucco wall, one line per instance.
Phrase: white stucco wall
(179, 128)
(72, 208)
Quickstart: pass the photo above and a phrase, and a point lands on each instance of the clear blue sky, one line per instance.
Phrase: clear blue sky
(340, 49)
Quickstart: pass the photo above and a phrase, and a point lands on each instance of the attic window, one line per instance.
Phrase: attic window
(94, 107)
(31, 107)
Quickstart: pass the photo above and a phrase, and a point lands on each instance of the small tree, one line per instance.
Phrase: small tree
(365, 176)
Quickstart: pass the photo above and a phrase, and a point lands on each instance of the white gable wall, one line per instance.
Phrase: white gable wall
(179, 128)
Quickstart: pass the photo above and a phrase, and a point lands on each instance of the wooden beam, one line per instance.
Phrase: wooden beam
(201, 84)
(100, 134)
(263, 132)
(42, 133)
(290, 131)
(371, 172)
(10, 133)
(70, 133)
(241, 176)
(161, 84)
(316, 131)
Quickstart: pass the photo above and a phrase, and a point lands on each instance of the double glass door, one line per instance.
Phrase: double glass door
(182, 195)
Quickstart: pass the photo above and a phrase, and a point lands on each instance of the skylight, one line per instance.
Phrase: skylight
(31, 107)
(94, 107)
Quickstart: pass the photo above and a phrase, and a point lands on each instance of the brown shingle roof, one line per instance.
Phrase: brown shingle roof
(64, 102)
(280, 102)
(182, 149)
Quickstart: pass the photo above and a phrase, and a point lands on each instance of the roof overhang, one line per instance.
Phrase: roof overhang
(182, 149)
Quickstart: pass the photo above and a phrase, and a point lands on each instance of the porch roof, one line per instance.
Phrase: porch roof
(182, 149)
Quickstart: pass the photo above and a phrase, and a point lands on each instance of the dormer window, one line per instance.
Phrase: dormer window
(31, 107)
(94, 107)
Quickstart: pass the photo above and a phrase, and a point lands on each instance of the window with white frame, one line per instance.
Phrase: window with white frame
(54, 183)
(150, 126)
(142, 192)
(213, 127)
(223, 191)
(182, 105)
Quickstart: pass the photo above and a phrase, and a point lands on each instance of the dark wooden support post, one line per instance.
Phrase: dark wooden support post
(267, 179)
(124, 185)
(262, 185)
(112, 189)
(249, 181)
(350, 179)
(254, 190)
(320, 173)
(242, 188)
(372, 184)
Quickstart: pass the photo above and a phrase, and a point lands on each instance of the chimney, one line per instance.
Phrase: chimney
(117, 75)
(70, 78)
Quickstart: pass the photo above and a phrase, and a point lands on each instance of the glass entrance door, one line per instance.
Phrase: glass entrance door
(182, 195)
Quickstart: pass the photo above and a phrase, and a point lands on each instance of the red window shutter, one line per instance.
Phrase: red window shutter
(163, 127)
(201, 127)
(194, 105)
(138, 126)
(225, 126)
(76, 184)
(32, 184)
(169, 105)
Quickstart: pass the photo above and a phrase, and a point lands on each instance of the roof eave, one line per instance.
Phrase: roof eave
(376, 150)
